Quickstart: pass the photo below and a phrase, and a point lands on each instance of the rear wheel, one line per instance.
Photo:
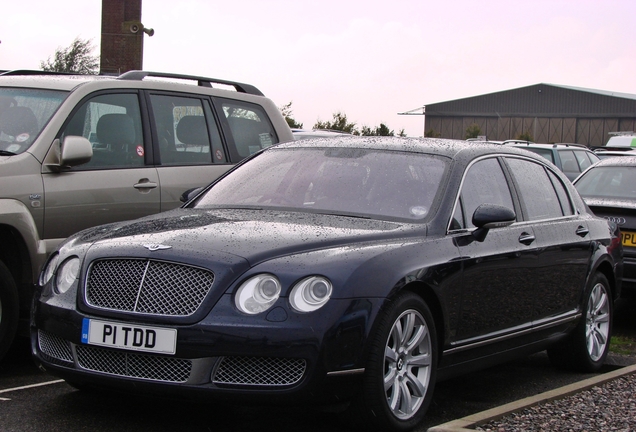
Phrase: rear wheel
(9, 309)
(587, 346)
(401, 370)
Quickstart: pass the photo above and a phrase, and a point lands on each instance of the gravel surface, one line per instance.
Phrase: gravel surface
(608, 407)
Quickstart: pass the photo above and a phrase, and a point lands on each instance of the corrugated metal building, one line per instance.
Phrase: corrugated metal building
(548, 113)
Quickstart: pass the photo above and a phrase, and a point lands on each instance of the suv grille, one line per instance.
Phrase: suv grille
(54, 347)
(261, 371)
(132, 365)
(147, 286)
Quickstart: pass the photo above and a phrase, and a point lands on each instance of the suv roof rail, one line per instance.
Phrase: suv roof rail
(514, 141)
(34, 72)
(136, 75)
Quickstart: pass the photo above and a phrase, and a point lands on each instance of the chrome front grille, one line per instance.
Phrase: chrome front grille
(147, 286)
(133, 365)
(54, 347)
(259, 371)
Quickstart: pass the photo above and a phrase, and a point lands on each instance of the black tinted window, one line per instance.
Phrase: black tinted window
(562, 193)
(538, 198)
(484, 183)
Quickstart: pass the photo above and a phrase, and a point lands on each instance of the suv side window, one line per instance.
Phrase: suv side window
(539, 200)
(569, 163)
(186, 131)
(484, 183)
(250, 127)
(583, 159)
(112, 123)
(566, 205)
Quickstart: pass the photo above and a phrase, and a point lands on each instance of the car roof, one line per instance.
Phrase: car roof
(160, 80)
(457, 149)
(616, 161)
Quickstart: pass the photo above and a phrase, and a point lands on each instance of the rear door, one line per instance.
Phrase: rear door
(562, 238)
(189, 148)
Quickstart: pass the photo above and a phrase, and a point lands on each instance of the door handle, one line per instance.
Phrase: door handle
(526, 238)
(145, 184)
(581, 231)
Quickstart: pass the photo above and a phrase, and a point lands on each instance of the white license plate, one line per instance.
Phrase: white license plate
(129, 336)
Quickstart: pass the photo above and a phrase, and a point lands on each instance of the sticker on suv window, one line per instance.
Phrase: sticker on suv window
(266, 139)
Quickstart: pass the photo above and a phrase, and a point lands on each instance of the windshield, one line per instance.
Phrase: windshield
(343, 181)
(608, 182)
(23, 114)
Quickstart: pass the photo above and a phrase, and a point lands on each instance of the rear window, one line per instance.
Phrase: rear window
(23, 114)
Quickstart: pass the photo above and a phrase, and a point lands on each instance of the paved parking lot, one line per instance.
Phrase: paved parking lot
(31, 400)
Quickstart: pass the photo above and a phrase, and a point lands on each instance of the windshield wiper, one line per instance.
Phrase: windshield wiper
(7, 153)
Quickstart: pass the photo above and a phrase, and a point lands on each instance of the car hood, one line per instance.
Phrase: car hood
(254, 235)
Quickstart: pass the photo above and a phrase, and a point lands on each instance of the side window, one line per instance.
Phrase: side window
(538, 197)
(484, 183)
(569, 163)
(112, 123)
(583, 160)
(186, 131)
(566, 205)
(250, 127)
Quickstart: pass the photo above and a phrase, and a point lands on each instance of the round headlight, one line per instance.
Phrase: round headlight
(310, 294)
(49, 270)
(257, 294)
(67, 274)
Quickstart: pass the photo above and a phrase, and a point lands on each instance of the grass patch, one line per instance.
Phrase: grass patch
(623, 345)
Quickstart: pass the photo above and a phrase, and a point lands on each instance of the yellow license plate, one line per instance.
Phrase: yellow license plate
(628, 238)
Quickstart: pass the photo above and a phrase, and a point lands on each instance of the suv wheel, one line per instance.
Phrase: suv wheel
(9, 309)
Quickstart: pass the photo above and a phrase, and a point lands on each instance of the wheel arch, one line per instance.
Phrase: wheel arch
(606, 269)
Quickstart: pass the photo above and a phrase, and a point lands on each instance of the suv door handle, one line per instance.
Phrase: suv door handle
(526, 238)
(145, 184)
(581, 231)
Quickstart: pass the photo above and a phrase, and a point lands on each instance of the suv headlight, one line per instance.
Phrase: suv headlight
(67, 274)
(310, 294)
(257, 294)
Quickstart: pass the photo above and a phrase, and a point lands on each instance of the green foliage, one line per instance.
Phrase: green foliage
(402, 133)
(382, 130)
(431, 133)
(525, 136)
(339, 123)
(286, 111)
(76, 58)
(473, 131)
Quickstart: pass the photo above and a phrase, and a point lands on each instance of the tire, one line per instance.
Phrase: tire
(587, 346)
(9, 309)
(401, 368)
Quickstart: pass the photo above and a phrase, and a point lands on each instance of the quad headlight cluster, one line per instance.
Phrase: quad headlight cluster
(260, 292)
(65, 273)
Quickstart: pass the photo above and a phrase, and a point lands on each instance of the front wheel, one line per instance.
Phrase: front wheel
(401, 369)
(587, 346)
(9, 309)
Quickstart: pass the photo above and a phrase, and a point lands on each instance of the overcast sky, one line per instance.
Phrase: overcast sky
(367, 58)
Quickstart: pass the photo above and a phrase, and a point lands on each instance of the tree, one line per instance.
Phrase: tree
(286, 111)
(525, 136)
(382, 130)
(473, 131)
(339, 123)
(75, 58)
(431, 133)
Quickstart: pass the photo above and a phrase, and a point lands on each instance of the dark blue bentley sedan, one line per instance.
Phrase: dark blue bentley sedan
(359, 269)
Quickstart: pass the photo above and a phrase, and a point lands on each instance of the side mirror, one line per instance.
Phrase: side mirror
(189, 194)
(489, 216)
(75, 150)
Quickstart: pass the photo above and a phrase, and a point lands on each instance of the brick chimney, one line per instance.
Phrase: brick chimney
(122, 44)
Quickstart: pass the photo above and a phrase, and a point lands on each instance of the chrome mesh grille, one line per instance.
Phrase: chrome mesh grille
(54, 347)
(147, 286)
(133, 365)
(261, 371)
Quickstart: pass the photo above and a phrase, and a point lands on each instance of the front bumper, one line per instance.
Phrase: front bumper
(274, 354)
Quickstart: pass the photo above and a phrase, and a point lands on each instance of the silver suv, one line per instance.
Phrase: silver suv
(78, 151)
